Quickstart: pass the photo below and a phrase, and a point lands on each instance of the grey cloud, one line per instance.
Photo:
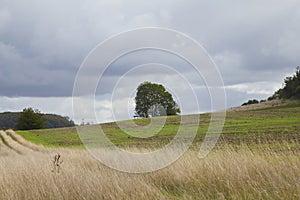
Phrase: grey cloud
(244, 27)
(42, 43)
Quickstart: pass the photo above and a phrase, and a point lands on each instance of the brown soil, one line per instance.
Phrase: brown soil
(267, 104)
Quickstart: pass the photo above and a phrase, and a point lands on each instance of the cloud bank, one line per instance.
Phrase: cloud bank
(255, 44)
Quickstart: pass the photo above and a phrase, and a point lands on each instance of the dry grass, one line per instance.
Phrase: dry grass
(24, 142)
(229, 172)
(266, 104)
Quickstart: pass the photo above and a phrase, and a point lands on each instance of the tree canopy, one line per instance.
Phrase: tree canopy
(30, 119)
(291, 88)
(154, 100)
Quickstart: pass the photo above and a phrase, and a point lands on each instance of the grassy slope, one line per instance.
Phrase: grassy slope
(254, 126)
(228, 172)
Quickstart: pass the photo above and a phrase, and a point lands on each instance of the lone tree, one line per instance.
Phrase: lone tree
(153, 99)
(30, 119)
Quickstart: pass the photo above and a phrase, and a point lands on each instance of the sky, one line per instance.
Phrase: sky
(255, 45)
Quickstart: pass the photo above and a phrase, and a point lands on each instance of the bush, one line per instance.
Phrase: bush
(253, 101)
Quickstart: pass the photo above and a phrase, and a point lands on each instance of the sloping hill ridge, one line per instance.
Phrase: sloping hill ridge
(266, 104)
(8, 120)
(257, 124)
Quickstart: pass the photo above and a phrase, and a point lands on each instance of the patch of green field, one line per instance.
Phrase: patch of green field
(60, 137)
(254, 126)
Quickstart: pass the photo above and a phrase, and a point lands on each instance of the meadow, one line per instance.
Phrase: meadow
(259, 126)
(256, 157)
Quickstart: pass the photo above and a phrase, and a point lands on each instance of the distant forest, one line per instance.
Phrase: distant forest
(9, 120)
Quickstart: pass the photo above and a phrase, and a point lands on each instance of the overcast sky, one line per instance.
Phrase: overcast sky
(255, 44)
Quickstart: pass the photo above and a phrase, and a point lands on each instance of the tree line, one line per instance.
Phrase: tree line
(31, 118)
(291, 88)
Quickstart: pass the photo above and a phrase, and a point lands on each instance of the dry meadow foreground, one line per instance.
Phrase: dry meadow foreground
(229, 172)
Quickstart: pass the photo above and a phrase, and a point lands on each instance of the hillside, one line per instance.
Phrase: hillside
(262, 105)
(9, 120)
(256, 157)
(278, 122)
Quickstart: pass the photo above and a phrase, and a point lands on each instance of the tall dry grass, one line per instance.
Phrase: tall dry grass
(228, 172)
(5, 150)
(22, 141)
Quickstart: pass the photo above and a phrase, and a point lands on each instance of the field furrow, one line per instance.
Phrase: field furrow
(6, 141)
(17, 147)
(19, 139)
(4, 149)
